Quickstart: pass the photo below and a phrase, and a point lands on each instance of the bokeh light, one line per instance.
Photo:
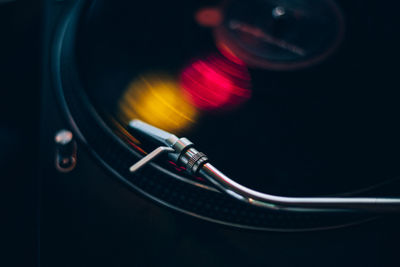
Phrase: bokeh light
(209, 16)
(216, 83)
(157, 100)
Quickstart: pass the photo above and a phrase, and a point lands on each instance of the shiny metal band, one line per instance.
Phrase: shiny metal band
(195, 162)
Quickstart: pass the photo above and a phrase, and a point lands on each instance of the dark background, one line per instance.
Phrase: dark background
(20, 38)
(21, 62)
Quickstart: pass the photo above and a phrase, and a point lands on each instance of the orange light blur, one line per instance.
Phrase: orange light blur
(157, 100)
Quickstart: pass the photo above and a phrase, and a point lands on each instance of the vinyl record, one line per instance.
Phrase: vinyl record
(286, 97)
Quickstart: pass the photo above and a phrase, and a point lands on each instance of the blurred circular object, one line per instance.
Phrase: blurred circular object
(209, 17)
(157, 99)
(216, 83)
(280, 34)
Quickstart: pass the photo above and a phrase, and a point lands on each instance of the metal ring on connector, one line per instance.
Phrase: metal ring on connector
(193, 163)
(198, 164)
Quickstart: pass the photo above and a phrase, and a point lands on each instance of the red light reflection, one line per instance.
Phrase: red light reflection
(216, 83)
(209, 17)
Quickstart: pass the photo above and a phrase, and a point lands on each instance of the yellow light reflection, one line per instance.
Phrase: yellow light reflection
(157, 100)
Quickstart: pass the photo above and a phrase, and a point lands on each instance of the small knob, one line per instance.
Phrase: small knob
(278, 12)
(65, 151)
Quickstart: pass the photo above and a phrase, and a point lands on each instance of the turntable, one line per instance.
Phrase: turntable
(292, 98)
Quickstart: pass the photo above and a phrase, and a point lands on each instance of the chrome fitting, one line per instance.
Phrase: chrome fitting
(192, 159)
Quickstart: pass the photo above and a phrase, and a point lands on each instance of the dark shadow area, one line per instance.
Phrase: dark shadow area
(19, 119)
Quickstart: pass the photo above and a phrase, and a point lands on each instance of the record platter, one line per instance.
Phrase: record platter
(292, 98)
